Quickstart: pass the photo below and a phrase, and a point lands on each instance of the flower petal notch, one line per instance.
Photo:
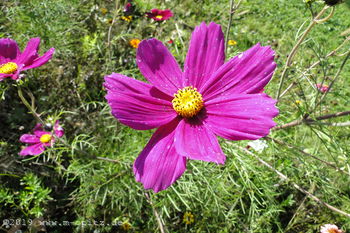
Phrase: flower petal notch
(12, 61)
(191, 108)
(40, 139)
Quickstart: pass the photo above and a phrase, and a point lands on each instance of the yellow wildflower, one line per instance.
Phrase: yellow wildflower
(126, 226)
(104, 10)
(134, 43)
(188, 218)
(298, 102)
(127, 18)
(232, 42)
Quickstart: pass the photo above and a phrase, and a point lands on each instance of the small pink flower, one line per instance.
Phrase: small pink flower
(40, 139)
(170, 41)
(58, 129)
(322, 88)
(160, 15)
(330, 228)
(12, 61)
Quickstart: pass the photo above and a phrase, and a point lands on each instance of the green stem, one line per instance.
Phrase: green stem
(229, 24)
(332, 53)
(333, 81)
(30, 108)
(295, 48)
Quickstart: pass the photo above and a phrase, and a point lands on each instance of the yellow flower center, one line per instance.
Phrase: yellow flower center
(45, 138)
(8, 68)
(187, 102)
(159, 16)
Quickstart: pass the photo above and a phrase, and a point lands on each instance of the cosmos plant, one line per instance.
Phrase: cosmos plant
(190, 108)
(13, 61)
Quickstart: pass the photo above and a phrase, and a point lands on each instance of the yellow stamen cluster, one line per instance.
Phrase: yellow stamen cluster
(159, 16)
(8, 68)
(45, 138)
(187, 102)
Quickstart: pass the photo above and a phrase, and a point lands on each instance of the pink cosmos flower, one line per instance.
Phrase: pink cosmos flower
(40, 139)
(190, 108)
(330, 228)
(12, 61)
(160, 15)
(322, 88)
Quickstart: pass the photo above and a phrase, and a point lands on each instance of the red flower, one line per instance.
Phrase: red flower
(160, 15)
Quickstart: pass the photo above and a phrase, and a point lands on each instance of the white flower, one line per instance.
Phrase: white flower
(330, 228)
(258, 145)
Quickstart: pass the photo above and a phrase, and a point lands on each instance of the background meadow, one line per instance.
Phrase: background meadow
(88, 175)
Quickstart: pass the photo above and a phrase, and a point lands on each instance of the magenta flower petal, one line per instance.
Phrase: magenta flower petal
(38, 127)
(159, 67)
(3, 76)
(35, 149)
(30, 52)
(121, 83)
(159, 165)
(205, 54)
(322, 88)
(241, 116)
(29, 138)
(247, 73)
(8, 50)
(40, 133)
(40, 60)
(194, 141)
(139, 111)
(58, 130)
